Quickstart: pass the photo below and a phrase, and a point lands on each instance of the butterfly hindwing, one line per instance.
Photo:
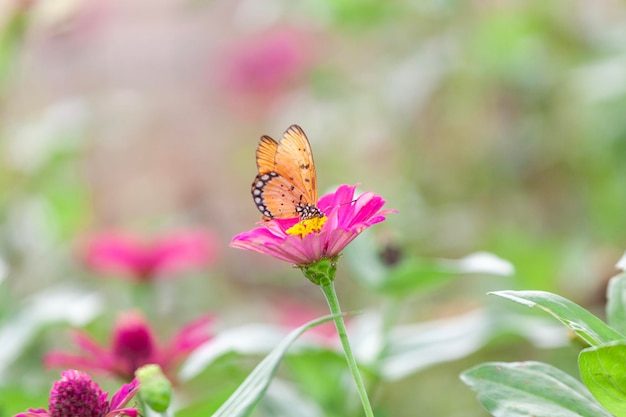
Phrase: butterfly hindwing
(275, 196)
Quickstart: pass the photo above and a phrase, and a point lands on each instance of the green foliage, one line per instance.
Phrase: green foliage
(616, 303)
(536, 389)
(603, 370)
(11, 37)
(244, 399)
(589, 327)
(525, 389)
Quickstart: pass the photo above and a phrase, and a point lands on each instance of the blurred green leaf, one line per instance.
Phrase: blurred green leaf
(17, 400)
(603, 370)
(208, 391)
(412, 274)
(283, 399)
(361, 14)
(245, 398)
(587, 326)
(11, 37)
(411, 348)
(530, 389)
(236, 339)
(311, 366)
(616, 303)
(59, 305)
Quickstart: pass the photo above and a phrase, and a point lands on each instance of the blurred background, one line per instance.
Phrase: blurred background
(495, 126)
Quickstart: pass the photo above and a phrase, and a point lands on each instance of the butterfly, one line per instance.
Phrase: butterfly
(286, 185)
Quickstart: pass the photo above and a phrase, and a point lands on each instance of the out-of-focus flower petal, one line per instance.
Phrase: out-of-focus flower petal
(133, 345)
(191, 336)
(124, 394)
(32, 412)
(116, 253)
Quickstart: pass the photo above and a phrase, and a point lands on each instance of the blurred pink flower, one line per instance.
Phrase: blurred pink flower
(132, 346)
(76, 394)
(117, 253)
(292, 315)
(267, 63)
(346, 218)
(256, 72)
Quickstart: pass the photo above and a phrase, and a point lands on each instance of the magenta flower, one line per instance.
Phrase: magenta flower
(176, 253)
(267, 63)
(77, 395)
(132, 346)
(346, 218)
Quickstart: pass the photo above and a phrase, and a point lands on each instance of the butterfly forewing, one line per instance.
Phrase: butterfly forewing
(266, 154)
(294, 161)
(285, 186)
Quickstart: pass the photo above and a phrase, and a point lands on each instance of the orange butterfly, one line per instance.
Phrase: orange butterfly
(286, 185)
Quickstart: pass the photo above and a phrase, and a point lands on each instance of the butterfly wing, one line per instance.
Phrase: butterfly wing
(266, 154)
(275, 196)
(294, 161)
(285, 186)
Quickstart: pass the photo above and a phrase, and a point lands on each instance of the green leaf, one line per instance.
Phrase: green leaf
(412, 274)
(11, 37)
(587, 326)
(411, 348)
(530, 389)
(603, 370)
(245, 398)
(616, 304)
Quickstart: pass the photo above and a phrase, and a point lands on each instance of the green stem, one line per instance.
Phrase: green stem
(331, 297)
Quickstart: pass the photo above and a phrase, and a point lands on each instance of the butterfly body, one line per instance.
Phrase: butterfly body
(286, 183)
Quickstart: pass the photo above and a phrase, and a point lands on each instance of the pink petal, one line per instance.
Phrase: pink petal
(191, 336)
(367, 205)
(112, 252)
(89, 345)
(290, 251)
(338, 240)
(124, 395)
(131, 412)
(343, 195)
(182, 251)
(56, 359)
(34, 412)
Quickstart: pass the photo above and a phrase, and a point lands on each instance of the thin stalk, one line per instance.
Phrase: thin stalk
(333, 303)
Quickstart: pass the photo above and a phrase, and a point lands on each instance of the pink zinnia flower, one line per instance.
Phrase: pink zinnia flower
(76, 394)
(132, 346)
(346, 218)
(176, 253)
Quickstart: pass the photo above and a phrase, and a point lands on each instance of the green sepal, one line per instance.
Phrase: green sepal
(321, 272)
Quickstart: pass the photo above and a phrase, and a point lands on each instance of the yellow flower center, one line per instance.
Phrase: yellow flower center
(306, 226)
